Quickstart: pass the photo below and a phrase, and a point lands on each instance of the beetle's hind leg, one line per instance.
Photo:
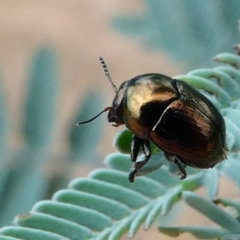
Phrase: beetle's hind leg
(135, 147)
(172, 158)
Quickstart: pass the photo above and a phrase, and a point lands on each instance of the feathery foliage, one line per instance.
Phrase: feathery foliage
(190, 31)
(23, 181)
(106, 205)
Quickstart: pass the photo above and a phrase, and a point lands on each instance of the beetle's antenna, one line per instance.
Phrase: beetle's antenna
(107, 73)
(104, 110)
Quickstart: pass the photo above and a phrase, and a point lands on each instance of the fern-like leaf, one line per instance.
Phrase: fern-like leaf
(106, 206)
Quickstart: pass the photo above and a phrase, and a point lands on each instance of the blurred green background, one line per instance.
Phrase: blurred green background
(51, 78)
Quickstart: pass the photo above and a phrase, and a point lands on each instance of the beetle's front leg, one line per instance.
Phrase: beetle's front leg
(172, 158)
(135, 147)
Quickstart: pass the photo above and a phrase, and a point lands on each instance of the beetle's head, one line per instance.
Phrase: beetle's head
(115, 112)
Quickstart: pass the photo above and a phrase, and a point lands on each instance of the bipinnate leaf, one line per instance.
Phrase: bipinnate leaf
(105, 205)
(53, 224)
(37, 127)
(229, 203)
(211, 183)
(16, 232)
(196, 26)
(84, 138)
(228, 58)
(211, 211)
(198, 232)
(41, 99)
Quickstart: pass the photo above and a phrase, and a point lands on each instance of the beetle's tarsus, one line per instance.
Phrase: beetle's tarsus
(135, 147)
(174, 159)
(131, 175)
(182, 171)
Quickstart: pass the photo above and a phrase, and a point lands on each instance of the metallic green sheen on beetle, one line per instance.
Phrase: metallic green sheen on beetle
(177, 118)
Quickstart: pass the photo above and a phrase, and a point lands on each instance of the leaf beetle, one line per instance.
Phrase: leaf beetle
(176, 117)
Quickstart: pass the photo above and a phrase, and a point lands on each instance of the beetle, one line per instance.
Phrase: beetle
(176, 117)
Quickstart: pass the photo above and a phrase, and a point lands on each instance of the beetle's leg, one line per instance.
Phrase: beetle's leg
(136, 143)
(135, 146)
(174, 159)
